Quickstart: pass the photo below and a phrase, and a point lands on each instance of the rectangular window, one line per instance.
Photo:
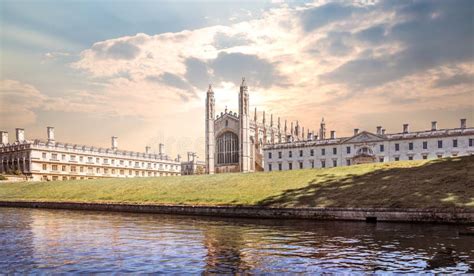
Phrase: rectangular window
(334, 151)
(381, 159)
(348, 150)
(410, 157)
(89, 159)
(334, 163)
(397, 147)
(290, 153)
(440, 144)
(425, 157)
(323, 164)
(440, 156)
(279, 166)
(348, 162)
(81, 158)
(63, 168)
(471, 142)
(301, 165)
(279, 154)
(410, 146)
(269, 155)
(301, 153)
(311, 152)
(269, 167)
(382, 148)
(44, 155)
(81, 169)
(45, 167)
(323, 151)
(54, 156)
(312, 164)
(397, 158)
(54, 167)
(425, 144)
(455, 143)
(63, 157)
(73, 168)
(290, 166)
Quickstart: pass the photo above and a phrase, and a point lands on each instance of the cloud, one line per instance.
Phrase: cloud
(116, 50)
(18, 102)
(227, 66)
(449, 81)
(429, 34)
(225, 41)
(320, 16)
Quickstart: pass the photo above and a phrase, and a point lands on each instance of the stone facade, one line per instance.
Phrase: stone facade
(234, 142)
(192, 165)
(367, 147)
(50, 160)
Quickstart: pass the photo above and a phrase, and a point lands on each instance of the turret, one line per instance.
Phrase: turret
(210, 139)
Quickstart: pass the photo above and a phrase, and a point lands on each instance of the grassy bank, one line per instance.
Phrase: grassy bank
(438, 183)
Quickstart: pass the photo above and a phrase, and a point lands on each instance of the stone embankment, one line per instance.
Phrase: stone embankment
(454, 215)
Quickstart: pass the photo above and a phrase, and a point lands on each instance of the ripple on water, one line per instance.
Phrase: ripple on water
(54, 241)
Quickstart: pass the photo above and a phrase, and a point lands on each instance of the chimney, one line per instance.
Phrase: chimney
(310, 136)
(379, 130)
(179, 158)
(405, 128)
(20, 135)
(463, 123)
(50, 131)
(147, 149)
(4, 137)
(161, 149)
(333, 134)
(434, 125)
(114, 142)
(383, 131)
(356, 131)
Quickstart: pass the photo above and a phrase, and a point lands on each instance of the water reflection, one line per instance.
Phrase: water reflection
(74, 241)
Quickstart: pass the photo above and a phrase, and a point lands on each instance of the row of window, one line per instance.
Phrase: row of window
(65, 177)
(90, 160)
(348, 162)
(381, 148)
(98, 170)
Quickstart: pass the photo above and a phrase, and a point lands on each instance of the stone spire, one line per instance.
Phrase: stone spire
(255, 115)
(279, 125)
(291, 129)
(271, 119)
(286, 129)
(210, 146)
(263, 120)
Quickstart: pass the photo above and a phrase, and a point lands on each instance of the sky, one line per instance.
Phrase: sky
(140, 70)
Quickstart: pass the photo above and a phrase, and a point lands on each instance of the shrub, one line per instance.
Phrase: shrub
(2, 177)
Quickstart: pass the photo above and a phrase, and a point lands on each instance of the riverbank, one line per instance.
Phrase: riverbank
(440, 190)
(440, 183)
(450, 216)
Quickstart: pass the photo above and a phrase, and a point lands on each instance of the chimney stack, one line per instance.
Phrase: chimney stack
(161, 149)
(379, 130)
(20, 135)
(405, 128)
(114, 142)
(463, 123)
(356, 131)
(383, 131)
(333, 134)
(434, 125)
(4, 137)
(147, 149)
(50, 131)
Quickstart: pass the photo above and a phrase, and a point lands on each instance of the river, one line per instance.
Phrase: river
(55, 241)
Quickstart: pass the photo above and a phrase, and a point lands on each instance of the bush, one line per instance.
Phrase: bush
(2, 177)
(17, 172)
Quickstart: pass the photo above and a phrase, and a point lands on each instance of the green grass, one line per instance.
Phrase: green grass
(440, 183)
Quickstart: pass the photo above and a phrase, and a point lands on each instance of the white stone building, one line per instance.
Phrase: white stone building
(367, 147)
(51, 160)
(192, 165)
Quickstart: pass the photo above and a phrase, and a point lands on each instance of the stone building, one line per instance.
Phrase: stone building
(235, 141)
(192, 165)
(367, 147)
(51, 160)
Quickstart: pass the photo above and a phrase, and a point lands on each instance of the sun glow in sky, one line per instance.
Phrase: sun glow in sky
(140, 69)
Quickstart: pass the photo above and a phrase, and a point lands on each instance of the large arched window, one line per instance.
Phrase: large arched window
(227, 148)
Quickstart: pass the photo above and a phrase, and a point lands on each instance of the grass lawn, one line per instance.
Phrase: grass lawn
(447, 182)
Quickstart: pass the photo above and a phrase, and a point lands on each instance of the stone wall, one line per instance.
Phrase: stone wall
(454, 215)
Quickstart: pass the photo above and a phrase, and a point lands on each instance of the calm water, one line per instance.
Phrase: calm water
(46, 241)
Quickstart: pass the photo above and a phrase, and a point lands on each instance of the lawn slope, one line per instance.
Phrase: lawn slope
(441, 183)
